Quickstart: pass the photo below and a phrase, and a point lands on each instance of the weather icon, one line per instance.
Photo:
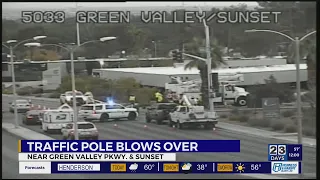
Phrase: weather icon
(240, 168)
(133, 167)
(186, 167)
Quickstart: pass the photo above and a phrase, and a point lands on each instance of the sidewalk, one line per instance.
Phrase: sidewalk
(24, 133)
(290, 137)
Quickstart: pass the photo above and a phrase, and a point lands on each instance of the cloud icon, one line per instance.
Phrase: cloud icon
(133, 167)
(186, 166)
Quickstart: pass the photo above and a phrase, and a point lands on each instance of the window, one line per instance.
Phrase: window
(114, 107)
(4, 67)
(61, 117)
(69, 126)
(183, 109)
(166, 106)
(87, 108)
(99, 107)
(22, 102)
(85, 126)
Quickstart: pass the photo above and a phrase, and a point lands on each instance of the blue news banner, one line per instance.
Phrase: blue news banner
(165, 167)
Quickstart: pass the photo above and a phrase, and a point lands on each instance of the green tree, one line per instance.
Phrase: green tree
(193, 48)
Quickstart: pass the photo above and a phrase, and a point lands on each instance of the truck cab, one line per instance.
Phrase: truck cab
(189, 115)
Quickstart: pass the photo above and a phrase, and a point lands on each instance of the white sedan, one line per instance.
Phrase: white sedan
(22, 106)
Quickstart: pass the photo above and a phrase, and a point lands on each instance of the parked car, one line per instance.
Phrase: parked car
(32, 117)
(22, 106)
(86, 130)
(159, 112)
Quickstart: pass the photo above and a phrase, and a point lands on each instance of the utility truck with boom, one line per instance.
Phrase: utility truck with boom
(190, 115)
(227, 90)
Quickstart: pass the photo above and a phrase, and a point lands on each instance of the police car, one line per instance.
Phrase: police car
(106, 111)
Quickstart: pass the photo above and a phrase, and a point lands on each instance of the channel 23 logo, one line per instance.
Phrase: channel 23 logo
(277, 150)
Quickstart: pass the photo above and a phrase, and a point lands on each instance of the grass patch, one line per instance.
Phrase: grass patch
(243, 118)
(258, 122)
(235, 111)
(290, 128)
(223, 116)
(233, 118)
(278, 125)
(288, 113)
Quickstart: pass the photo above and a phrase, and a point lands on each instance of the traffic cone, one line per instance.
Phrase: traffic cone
(214, 129)
(39, 106)
(173, 127)
(115, 125)
(44, 108)
(145, 126)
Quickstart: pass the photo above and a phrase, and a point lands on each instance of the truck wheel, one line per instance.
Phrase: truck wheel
(132, 116)
(159, 121)
(170, 123)
(148, 120)
(179, 125)
(242, 101)
(104, 117)
(209, 126)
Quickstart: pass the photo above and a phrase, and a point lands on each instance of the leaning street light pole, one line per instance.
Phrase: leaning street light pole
(297, 41)
(155, 48)
(71, 49)
(208, 52)
(11, 48)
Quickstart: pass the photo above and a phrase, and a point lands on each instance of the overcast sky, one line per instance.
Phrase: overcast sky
(17, 5)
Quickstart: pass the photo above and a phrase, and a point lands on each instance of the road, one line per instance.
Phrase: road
(252, 148)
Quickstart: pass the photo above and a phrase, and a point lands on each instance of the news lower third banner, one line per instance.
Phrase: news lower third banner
(127, 146)
(280, 167)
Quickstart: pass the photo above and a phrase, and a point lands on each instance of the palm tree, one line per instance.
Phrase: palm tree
(216, 52)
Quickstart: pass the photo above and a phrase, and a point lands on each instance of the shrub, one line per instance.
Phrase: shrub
(54, 95)
(7, 91)
(263, 122)
(36, 90)
(290, 128)
(253, 122)
(247, 112)
(308, 131)
(243, 118)
(235, 111)
(24, 91)
(223, 116)
(277, 125)
(233, 118)
(288, 113)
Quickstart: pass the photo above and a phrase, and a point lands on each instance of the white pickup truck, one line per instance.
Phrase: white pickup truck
(191, 116)
(81, 98)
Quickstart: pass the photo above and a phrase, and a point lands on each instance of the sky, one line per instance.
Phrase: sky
(18, 5)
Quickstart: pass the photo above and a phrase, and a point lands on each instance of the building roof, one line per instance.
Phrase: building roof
(181, 70)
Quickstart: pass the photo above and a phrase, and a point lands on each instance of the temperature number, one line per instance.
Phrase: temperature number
(255, 167)
(148, 167)
(201, 167)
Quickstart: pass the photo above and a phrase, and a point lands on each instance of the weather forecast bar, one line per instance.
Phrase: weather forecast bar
(282, 167)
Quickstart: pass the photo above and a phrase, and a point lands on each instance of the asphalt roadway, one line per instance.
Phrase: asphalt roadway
(252, 148)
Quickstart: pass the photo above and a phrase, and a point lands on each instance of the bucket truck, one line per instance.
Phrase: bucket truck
(227, 90)
(189, 114)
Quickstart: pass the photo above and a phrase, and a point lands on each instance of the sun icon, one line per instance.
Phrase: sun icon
(240, 168)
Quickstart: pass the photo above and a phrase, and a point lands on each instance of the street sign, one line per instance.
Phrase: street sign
(271, 108)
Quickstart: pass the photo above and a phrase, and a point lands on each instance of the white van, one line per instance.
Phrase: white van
(56, 118)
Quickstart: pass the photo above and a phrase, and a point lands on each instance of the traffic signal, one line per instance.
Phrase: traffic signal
(177, 55)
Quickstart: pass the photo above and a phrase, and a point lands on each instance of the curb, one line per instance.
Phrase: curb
(7, 129)
(272, 135)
